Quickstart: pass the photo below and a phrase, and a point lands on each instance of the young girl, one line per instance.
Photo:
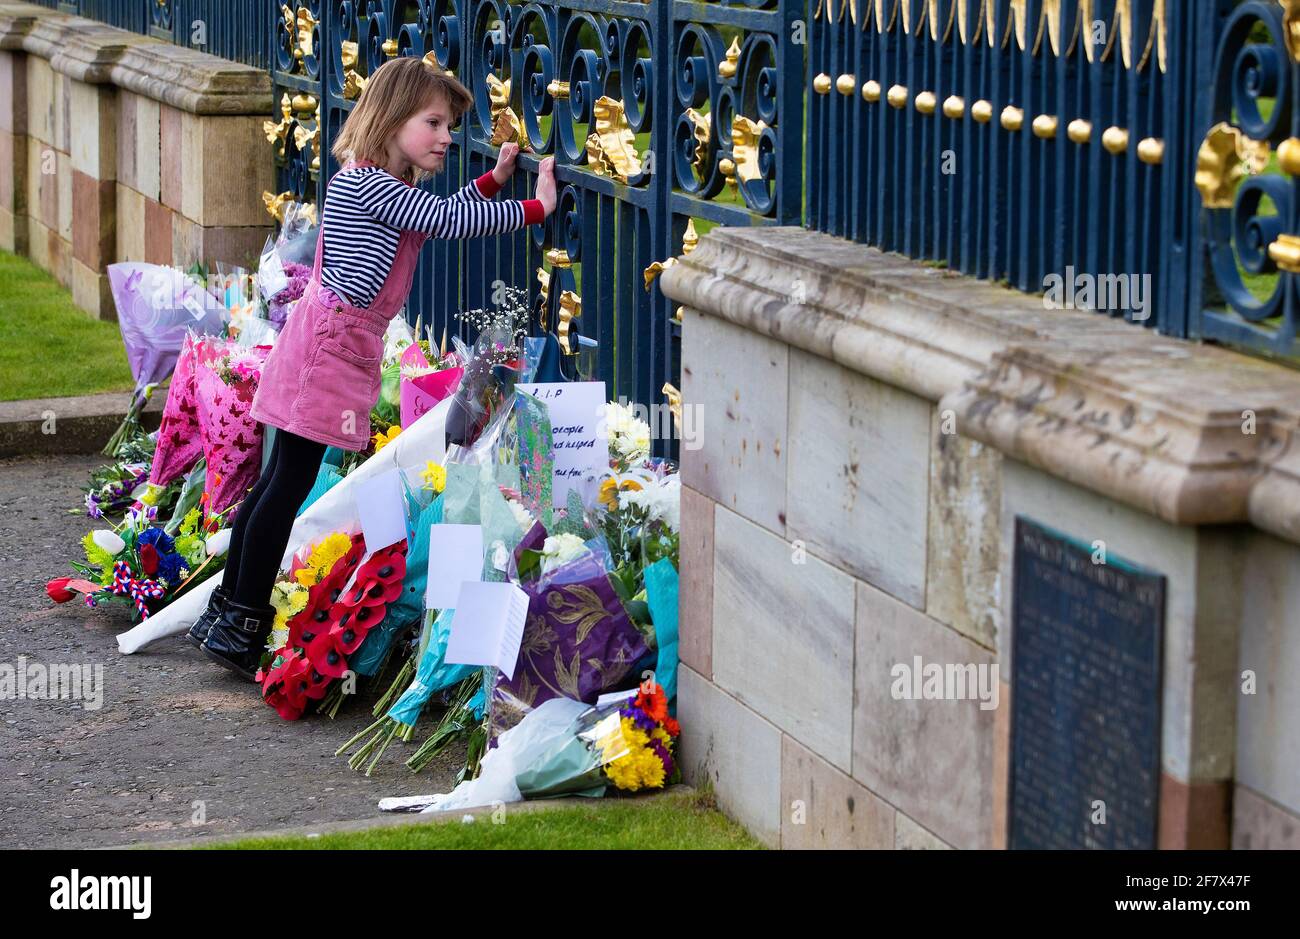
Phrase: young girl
(323, 375)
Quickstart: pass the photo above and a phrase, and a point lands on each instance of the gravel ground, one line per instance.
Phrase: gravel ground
(175, 735)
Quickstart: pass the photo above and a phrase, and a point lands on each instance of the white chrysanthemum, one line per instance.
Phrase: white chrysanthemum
(109, 541)
(660, 502)
(561, 549)
(521, 514)
(628, 435)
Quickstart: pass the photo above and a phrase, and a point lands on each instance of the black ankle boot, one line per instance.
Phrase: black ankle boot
(216, 604)
(238, 637)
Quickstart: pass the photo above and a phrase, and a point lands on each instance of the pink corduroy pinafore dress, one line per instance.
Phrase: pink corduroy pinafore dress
(323, 375)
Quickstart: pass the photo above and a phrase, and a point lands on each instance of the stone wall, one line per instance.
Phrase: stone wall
(871, 430)
(118, 147)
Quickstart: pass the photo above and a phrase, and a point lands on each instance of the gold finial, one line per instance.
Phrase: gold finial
(558, 89)
(1044, 127)
(897, 97)
(871, 90)
(927, 102)
(1285, 253)
(845, 84)
(690, 238)
(1013, 118)
(822, 83)
(1079, 131)
(1115, 140)
(727, 68)
(954, 107)
(1151, 151)
(1288, 156)
(982, 111)
(304, 105)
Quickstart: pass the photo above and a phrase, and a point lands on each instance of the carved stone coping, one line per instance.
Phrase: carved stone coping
(1157, 423)
(91, 52)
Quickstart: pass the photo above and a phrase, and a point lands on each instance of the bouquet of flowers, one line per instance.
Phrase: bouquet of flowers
(138, 563)
(492, 365)
(207, 415)
(114, 487)
(345, 598)
(282, 303)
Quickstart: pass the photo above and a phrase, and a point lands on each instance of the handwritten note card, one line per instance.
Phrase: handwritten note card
(382, 509)
(455, 556)
(578, 440)
(488, 626)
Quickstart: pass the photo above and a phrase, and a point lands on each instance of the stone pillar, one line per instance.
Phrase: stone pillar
(13, 152)
(869, 440)
(125, 149)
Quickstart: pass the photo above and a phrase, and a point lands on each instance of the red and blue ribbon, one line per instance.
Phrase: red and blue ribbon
(139, 590)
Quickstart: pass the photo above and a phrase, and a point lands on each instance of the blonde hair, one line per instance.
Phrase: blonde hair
(397, 90)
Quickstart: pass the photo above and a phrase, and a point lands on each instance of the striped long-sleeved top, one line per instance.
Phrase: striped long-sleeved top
(367, 208)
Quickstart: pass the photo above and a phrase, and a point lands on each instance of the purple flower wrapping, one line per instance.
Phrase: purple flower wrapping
(578, 643)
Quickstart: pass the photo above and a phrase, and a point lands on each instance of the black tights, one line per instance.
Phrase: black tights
(265, 518)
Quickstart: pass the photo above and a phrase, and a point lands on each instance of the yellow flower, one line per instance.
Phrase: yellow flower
(323, 558)
(288, 600)
(384, 439)
(612, 486)
(434, 477)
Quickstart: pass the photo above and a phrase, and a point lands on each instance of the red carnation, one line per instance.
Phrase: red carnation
(58, 589)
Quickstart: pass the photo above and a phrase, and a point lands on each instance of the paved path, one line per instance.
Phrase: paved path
(173, 729)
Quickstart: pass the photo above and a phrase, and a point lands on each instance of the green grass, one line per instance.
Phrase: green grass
(682, 821)
(48, 346)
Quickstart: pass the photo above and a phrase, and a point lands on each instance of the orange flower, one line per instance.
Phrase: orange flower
(674, 729)
(654, 703)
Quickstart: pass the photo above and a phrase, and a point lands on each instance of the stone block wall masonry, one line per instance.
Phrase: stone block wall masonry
(119, 147)
(865, 455)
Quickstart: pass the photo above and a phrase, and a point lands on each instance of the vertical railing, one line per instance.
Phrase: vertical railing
(1017, 140)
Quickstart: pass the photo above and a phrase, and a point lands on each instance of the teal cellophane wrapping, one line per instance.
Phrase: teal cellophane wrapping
(661, 597)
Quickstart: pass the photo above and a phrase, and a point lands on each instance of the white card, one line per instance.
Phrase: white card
(455, 556)
(488, 626)
(615, 696)
(578, 439)
(382, 510)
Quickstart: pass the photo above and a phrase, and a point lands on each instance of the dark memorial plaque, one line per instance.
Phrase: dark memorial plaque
(1085, 696)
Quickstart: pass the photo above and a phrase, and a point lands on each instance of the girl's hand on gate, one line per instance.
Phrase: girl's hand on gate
(505, 163)
(546, 185)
